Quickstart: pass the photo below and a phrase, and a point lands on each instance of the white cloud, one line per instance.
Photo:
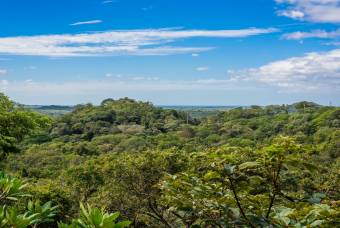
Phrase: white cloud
(3, 71)
(203, 68)
(138, 78)
(108, 1)
(313, 71)
(143, 78)
(313, 34)
(295, 14)
(195, 55)
(29, 81)
(3, 85)
(334, 43)
(130, 84)
(322, 11)
(87, 22)
(213, 81)
(96, 87)
(147, 8)
(110, 75)
(167, 50)
(30, 68)
(208, 91)
(118, 42)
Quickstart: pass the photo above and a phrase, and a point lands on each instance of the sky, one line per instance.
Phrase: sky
(178, 52)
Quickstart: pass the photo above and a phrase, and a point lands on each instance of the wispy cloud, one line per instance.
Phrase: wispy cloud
(159, 91)
(29, 90)
(313, 71)
(323, 11)
(110, 75)
(3, 85)
(86, 22)
(295, 14)
(202, 68)
(118, 42)
(30, 68)
(108, 1)
(147, 8)
(143, 78)
(29, 81)
(322, 34)
(214, 82)
(333, 43)
(3, 71)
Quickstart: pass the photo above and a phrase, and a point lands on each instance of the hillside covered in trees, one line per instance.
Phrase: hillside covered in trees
(128, 163)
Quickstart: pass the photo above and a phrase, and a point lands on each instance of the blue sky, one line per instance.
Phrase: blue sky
(197, 52)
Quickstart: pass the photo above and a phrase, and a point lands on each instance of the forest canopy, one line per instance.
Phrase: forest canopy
(129, 163)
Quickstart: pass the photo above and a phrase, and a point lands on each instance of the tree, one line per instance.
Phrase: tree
(16, 123)
(245, 188)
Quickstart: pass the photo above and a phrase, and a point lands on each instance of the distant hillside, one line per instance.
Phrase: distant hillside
(51, 110)
(195, 111)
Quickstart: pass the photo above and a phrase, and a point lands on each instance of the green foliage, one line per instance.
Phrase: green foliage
(96, 218)
(10, 217)
(41, 213)
(317, 215)
(247, 193)
(273, 166)
(124, 115)
(16, 123)
(11, 188)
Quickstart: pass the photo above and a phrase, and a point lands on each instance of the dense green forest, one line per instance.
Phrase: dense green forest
(127, 163)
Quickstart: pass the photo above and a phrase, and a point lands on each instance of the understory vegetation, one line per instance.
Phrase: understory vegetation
(126, 163)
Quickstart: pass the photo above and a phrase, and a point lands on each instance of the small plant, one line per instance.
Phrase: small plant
(10, 217)
(41, 213)
(11, 188)
(95, 218)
